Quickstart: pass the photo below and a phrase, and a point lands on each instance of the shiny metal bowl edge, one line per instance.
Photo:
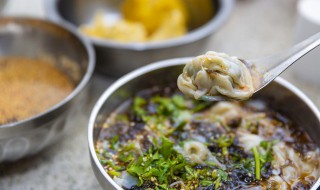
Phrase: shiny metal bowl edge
(30, 37)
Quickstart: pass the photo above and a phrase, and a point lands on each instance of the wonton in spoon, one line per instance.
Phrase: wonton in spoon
(217, 75)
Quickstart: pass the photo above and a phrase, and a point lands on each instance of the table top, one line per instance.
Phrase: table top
(254, 29)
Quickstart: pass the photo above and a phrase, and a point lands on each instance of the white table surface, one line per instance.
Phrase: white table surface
(255, 28)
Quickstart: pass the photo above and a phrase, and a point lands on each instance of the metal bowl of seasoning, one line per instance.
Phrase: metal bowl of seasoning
(44, 69)
(116, 58)
(280, 94)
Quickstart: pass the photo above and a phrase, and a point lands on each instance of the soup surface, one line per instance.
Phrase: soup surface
(29, 87)
(162, 140)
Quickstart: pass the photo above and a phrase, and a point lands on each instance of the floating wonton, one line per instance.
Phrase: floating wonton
(216, 74)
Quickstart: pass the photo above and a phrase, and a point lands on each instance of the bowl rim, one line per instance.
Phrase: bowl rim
(152, 67)
(29, 122)
(201, 32)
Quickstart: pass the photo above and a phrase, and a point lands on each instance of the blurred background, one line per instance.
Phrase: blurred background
(254, 28)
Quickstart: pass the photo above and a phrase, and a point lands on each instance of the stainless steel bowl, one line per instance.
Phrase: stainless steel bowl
(33, 38)
(282, 95)
(114, 58)
(3, 4)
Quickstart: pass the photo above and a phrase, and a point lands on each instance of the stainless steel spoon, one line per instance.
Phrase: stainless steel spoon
(268, 68)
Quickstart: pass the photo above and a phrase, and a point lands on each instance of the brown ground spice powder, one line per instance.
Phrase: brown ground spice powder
(29, 87)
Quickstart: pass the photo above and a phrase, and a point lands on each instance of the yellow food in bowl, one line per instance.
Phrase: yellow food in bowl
(153, 14)
(143, 20)
(122, 30)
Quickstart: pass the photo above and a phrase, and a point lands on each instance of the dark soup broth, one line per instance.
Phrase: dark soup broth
(164, 140)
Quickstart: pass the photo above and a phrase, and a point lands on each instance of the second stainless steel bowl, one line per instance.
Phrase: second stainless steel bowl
(33, 38)
(115, 58)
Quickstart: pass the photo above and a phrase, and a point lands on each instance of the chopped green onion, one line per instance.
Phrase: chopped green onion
(257, 162)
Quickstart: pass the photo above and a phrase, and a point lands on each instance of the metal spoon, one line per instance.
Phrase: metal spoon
(267, 69)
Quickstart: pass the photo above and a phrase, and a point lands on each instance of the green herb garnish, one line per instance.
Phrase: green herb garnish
(224, 141)
(138, 104)
(162, 162)
(114, 142)
(257, 162)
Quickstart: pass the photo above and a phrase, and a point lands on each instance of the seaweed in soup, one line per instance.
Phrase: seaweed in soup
(161, 139)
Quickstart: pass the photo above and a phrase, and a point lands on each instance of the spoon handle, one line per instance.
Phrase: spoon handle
(274, 65)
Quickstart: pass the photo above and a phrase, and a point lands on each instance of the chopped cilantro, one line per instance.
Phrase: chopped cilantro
(165, 106)
(138, 104)
(224, 141)
(128, 153)
(206, 182)
(179, 101)
(267, 157)
(174, 109)
(114, 173)
(166, 148)
(222, 174)
(114, 142)
(162, 162)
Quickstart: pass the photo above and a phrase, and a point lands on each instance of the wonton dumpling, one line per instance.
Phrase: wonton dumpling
(216, 74)
(295, 167)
